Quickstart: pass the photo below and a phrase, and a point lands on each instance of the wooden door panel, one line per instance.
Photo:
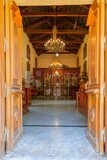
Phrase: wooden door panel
(13, 76)
(93, 123)
(93, 86)
(2, 79)
(16, 113)
(106, 79)
(96, 77)
(93, 53)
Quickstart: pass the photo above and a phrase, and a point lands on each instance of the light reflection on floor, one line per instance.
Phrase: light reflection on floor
(54, 130)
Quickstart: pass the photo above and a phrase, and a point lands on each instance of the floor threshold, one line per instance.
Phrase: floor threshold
(54, 126)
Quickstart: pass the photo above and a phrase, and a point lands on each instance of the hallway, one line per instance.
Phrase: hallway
(54, 130)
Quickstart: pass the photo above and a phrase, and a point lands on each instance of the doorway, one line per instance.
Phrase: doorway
(94, 100)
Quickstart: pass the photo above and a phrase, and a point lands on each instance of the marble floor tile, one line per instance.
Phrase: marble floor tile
(54, 130)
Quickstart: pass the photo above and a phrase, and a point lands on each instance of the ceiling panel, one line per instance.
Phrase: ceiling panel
(70, 20)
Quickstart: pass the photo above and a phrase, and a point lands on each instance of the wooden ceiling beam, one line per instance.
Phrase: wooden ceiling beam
(66, 41)
(64, 52)
(85, 7)
(69, 48)
(25, 8)
(76, 38)
(38, 22)
(69, 22)
(34, 39)
(35, 31)
(52, 15)
(72, 24)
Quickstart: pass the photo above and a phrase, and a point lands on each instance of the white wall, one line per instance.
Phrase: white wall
(25, 42)
(45, 60)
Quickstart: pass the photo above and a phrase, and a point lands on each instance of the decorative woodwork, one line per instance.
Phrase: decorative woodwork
(57, 83)
(95, 90)
(82, 100)
(13, 78)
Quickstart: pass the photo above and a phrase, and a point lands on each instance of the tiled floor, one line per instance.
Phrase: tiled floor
(54, 130)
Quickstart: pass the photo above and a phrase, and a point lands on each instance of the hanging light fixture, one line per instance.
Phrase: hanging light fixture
(54, 44)
(57, 54)
(55, 65)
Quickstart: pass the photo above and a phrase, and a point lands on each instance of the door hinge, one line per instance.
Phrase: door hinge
(5, 134)
(6, 90)
(105, 43)
(4, 2)
(5, 44)
(103, 135)
(103, 89)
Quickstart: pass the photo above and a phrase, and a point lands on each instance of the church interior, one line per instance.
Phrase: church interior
(56, 69)
(54, 102)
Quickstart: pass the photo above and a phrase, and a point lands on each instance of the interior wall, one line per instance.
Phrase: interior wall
(80, 55)
(33, 58)
(45, 60)
(33, 55)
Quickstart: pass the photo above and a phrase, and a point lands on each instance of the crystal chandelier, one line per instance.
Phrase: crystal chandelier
(56, 65)
(54, 44)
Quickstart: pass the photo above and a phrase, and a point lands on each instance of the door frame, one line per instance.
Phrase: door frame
(2, 79)
(105, 120)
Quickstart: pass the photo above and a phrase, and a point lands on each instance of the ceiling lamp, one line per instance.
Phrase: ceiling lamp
(56, 65)
(57, 54)
(54, 44)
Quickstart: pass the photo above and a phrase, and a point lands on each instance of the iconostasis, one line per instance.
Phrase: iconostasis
(57, 83)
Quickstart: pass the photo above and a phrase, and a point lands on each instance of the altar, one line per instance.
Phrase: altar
(56, 83)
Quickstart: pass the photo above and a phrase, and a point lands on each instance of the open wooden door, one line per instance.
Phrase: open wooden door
(106, 78)
(2, 97)
(96, 76)
(13, 75)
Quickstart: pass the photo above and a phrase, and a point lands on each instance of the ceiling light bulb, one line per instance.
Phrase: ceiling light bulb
(57, 54)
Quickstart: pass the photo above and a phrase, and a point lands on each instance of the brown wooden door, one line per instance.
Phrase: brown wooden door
(13, 75)
(96, 76)
(2, 77)
(106, 79)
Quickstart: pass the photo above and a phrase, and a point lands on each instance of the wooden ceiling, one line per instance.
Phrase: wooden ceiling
(38, 22)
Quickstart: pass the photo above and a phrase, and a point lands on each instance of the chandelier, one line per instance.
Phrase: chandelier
(55, 65)
(54, 44)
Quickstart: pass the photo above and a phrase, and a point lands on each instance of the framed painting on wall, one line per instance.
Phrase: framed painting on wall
(85, 51)
(77, 62)
(85, 66)
(28, 52)
(35, 62)
(38, 73)
(28, 66)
